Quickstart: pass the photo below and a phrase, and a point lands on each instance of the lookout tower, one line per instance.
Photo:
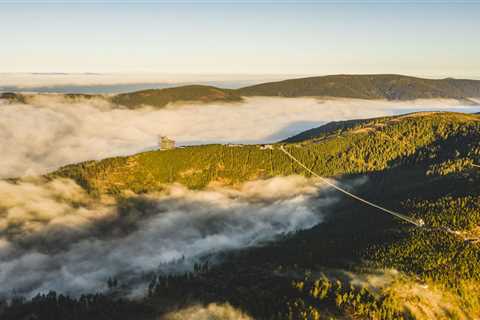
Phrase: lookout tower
(166, 143)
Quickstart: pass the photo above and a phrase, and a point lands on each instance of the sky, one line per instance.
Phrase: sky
(434, 39)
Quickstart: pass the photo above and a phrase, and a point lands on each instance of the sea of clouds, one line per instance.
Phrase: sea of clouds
(49, 131)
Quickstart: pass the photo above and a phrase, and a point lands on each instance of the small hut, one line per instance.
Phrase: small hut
(166, 143)
(266, 147)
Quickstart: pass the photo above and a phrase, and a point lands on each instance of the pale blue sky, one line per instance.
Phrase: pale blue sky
(420, 38)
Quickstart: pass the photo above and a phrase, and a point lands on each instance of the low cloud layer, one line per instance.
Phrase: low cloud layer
(117, 82)
(54, 237)
(50, 132)
(36, 80)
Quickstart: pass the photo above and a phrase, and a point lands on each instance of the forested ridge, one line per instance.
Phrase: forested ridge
(368, 146)
(418, 164)
(375, 86)
(162, 97)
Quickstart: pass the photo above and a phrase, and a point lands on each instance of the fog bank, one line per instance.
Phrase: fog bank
(54, 237)
(50, 132)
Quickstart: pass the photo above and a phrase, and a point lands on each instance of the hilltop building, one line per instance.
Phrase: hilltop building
(266, 147)
(166, 143)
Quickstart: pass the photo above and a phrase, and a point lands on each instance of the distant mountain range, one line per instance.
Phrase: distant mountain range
(382, 86)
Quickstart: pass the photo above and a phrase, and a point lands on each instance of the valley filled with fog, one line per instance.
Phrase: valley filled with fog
(59, 238)
(49, 132)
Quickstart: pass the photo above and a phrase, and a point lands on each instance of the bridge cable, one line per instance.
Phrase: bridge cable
(418, 223)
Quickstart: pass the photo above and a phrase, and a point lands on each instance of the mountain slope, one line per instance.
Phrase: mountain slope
(382, 86)
(334, 127)
(161, 97)
(12, 97)
(367, 146)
